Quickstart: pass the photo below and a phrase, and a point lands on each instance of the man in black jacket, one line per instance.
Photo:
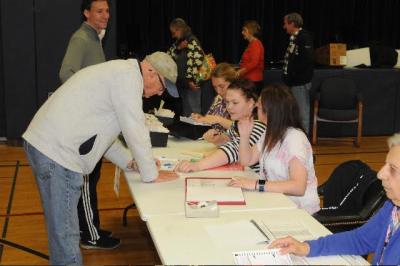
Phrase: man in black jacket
(298, 65)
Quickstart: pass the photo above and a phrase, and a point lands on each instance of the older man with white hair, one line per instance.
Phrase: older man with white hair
(79, 124)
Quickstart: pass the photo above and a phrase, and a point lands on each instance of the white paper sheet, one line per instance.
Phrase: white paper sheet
(294, 229)
(208, 189)
(236, 235)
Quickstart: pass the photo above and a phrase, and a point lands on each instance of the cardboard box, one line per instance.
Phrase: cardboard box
(333, 54)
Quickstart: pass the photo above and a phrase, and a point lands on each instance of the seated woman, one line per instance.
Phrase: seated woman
(284, 152)
(240, 103)
(380, 235)
(217, 115)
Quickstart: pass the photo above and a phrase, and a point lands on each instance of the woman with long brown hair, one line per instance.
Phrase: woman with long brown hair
(241, 99)
(284, 153)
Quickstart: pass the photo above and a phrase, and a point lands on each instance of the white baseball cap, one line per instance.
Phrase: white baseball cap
(166, 67)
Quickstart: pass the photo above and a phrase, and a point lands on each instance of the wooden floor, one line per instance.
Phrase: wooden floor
(22, 220)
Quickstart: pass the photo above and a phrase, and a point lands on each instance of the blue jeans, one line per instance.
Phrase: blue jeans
(60, 190)
(302, 95)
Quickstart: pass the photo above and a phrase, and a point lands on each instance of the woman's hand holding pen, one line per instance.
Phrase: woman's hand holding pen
(186, 167)
(243, 182)
(212, 135)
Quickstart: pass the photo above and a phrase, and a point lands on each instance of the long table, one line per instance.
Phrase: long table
(167, 198)
(181, 240)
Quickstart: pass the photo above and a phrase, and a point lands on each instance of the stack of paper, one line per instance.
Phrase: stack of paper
(191, 121)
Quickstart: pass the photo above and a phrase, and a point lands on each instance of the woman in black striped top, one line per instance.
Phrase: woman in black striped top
(241, 99)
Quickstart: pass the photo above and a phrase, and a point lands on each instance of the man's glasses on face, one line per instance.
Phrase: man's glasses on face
(163, 88)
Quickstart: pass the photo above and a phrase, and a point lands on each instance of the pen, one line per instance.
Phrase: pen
(259, 229)
(193, 154)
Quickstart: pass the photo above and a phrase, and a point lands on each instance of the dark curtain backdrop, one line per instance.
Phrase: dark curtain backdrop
(2, 98)
(142, 26)
(34, 35)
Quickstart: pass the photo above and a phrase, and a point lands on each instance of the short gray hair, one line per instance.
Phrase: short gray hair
(295, 18)
(394, 140)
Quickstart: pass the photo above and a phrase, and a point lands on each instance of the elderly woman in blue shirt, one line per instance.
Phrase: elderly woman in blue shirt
(380, 235)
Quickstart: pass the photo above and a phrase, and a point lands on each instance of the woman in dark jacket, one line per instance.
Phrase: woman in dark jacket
(189, 56)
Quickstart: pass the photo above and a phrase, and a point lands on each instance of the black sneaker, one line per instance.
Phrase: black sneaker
(102, 243)
(105, 233)
(101, 232)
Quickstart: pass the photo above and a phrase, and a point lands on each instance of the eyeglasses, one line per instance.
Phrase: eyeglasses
(163, 88)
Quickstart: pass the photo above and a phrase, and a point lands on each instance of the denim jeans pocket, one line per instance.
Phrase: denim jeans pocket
(42, 166)
(74, 180)
(45, 170)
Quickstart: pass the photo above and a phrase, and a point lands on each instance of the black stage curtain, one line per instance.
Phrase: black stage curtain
(143, 25)
(2, 91)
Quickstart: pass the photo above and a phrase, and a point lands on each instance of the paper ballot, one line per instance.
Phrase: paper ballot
(261, 257)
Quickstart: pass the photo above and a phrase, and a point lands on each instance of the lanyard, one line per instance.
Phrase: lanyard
(392, 228)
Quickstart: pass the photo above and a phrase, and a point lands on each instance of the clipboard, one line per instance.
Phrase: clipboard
(198, 189)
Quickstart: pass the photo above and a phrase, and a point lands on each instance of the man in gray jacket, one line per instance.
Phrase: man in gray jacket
(85, 49)
(79, 124)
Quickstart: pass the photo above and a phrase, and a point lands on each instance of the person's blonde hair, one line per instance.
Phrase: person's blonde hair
(394, 140)
(225, 71)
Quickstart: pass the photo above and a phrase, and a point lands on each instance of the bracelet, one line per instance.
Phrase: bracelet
(261, 185)
(255, 186)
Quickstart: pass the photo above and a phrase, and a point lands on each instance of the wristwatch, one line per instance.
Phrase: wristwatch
(261, 185)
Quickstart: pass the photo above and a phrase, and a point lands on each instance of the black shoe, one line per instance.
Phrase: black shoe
(102, 243)
(104, 233)
(101, 232)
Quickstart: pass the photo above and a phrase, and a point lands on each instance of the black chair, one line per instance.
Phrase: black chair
(352, 195)
(338, 102)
